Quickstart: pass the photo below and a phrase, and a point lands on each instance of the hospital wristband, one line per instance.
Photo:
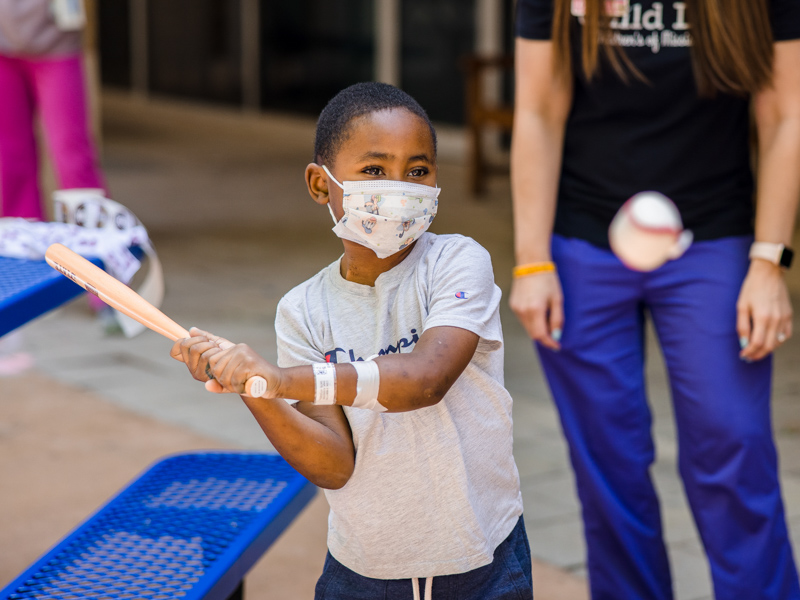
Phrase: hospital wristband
(324, 383)
(533, 269)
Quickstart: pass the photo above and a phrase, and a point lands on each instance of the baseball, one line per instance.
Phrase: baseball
(647, 232)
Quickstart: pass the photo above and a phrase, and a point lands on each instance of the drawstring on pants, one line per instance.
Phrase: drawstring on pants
(428, 587)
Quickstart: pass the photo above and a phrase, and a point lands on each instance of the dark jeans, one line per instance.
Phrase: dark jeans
(508, 577)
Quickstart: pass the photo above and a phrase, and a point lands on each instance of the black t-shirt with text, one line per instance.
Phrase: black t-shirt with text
(623, 138)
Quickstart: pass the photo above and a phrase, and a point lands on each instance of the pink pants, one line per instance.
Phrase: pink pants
(55, 88)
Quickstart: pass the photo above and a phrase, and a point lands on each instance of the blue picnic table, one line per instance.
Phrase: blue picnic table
(189, 527)
(31, 288)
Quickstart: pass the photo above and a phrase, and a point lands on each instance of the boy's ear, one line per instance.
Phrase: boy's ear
(317, 183)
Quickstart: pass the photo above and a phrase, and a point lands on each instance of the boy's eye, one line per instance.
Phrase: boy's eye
(374, 171)
(419, 172)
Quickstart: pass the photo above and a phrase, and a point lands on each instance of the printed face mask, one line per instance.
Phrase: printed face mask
(385, 216)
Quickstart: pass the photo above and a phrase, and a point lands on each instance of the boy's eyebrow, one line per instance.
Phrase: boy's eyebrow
(375, 155)
(387, 156)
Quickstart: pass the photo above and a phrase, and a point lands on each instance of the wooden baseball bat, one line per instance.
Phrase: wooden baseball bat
(119, 296)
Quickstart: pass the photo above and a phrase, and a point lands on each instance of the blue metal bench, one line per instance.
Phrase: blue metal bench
(30, 288)
(189, 527)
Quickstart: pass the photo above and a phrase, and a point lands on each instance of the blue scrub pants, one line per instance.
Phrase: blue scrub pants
(727, 457)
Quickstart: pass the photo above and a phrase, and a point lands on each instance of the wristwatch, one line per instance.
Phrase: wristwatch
(777, 254)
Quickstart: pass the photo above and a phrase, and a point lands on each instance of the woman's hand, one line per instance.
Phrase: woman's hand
(763, 311)
(539, 305)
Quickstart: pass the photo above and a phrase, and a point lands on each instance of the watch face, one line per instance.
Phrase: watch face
(786, 258)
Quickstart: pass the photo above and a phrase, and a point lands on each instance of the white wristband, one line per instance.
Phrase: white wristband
(369, 381)
(324, 383)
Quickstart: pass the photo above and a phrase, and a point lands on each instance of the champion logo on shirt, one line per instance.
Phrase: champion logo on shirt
(462, 295)
(331, 356)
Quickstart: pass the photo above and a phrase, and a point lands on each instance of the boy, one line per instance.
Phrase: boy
(393, 355)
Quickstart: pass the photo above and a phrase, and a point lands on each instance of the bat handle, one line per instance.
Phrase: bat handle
(255, 387)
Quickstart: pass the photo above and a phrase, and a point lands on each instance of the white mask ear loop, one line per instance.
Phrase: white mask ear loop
(324, 168)
(330, 210)
(333, 216)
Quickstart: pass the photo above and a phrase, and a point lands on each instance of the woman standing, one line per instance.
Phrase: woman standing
(41, 73)
(618, 97)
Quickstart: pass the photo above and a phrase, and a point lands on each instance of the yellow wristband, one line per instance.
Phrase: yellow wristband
(533, 269)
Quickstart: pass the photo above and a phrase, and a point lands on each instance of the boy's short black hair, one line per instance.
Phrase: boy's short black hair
(355, 101)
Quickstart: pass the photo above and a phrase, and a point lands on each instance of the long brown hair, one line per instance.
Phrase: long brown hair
(731, 44)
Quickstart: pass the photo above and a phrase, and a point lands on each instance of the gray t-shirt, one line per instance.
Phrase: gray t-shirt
(28, 29)
(435, 490)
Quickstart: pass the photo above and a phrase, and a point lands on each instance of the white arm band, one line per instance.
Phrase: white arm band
(369, 380)
(324, 383)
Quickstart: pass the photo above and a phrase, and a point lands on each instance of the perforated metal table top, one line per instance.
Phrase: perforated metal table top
(30, 288)
(189, 527)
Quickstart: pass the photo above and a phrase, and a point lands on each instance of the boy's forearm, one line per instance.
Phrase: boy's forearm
(405, 383)
(408, 381)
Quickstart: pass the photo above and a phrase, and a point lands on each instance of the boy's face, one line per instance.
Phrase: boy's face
(389, 144)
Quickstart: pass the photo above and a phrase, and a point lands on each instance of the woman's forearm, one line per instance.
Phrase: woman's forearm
(541, 106)
(764, 309)
(777, 114)
(778, 182)
(535, 167)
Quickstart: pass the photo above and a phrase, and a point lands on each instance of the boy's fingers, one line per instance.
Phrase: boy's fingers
(181, 347)
(175, 352)
(194, 352)
(218, 365)
(205, 359)
(231, 375)
(213, 386)
(220, 341)
(232, 368)
(206, 356)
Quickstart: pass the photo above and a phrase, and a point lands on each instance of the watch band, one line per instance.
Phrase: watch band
(777, 254)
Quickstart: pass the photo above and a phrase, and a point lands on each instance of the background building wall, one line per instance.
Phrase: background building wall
(294, 55)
